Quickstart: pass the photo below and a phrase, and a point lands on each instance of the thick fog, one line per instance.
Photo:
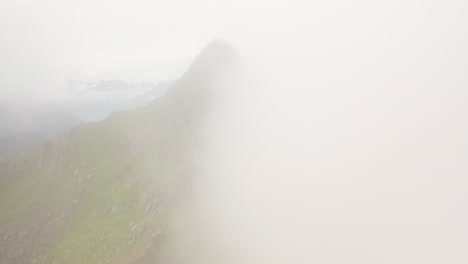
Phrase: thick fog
(345, 140)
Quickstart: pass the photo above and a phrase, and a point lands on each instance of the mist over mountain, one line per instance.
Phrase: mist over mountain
(20, 143)
(26, 125)
(106, 192)
(48, 119)
(345, 139)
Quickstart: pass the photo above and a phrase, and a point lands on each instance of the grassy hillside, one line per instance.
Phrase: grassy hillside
(102, 192)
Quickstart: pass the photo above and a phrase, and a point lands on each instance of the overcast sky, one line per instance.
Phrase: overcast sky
(46, 43)
(363, 110)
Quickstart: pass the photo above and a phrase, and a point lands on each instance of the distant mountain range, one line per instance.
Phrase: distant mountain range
(92, 101)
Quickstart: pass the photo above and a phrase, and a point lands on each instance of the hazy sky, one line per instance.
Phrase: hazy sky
(355, 142)
(46, 43)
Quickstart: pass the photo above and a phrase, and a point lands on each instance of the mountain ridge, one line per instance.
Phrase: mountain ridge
(103, 191)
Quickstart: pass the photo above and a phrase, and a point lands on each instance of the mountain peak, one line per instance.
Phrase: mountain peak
(216, 55)
(219, 45)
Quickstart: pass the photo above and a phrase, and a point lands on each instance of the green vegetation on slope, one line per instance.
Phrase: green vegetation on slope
(101, 192)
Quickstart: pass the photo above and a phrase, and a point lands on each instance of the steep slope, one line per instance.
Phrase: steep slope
(102, 193)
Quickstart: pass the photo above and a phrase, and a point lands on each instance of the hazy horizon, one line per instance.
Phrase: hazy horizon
(317, 132)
